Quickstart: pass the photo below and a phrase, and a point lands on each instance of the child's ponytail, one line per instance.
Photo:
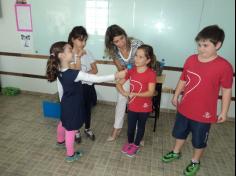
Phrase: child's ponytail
(52, 68)
(53, 64)
(153, 62)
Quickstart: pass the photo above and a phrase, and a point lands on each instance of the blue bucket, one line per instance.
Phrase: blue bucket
(51, 110)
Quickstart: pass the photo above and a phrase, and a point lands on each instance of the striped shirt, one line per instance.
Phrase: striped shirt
(133, 48)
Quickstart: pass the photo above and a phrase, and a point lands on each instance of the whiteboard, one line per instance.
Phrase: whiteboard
(170, 26)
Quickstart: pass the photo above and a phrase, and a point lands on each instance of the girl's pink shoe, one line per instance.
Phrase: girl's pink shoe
(131, 152)
(125, 148)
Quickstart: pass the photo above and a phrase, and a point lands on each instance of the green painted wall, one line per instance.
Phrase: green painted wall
(170, 26)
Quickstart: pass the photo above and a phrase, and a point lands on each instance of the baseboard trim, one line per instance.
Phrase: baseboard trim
(110, 103)
(26, 92)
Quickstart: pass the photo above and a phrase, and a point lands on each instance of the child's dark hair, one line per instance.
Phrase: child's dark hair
(53, 64)
(149, 54)
(78, 32)
(213, 33)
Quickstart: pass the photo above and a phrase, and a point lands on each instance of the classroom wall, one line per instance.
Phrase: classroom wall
(11, 42)
(170, 26)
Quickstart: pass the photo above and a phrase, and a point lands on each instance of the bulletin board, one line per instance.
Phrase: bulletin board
(23, 17)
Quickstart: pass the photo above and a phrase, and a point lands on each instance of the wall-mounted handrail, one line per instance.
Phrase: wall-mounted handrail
(106, 62)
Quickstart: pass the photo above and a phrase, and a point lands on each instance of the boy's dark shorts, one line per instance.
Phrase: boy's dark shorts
(200, 131)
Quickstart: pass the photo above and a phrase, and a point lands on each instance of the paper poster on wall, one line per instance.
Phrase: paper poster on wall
(25, 38)
(23, 17)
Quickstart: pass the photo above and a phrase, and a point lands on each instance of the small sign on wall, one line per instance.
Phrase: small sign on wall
(23, 17)
(26, 40)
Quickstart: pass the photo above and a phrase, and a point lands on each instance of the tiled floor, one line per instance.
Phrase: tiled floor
(27, 145)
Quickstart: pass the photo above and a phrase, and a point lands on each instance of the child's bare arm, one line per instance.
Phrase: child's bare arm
(72, 66)
(118, 65)
(179, 88)
(225, 103)
(148, 93)
(77, 65)
(119, 86)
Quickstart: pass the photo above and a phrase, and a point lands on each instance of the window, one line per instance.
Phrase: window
(96, 16)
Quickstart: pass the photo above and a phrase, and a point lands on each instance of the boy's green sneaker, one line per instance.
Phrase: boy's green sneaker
(192, 169)
(75, 157)
(171, 156)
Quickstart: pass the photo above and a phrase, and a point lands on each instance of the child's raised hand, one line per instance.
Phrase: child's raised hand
(81, 53)
(121, 74)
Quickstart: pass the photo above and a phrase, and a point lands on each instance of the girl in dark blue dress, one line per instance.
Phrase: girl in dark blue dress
(71, 94)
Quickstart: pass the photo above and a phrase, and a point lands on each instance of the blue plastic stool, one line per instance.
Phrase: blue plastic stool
(51, 110)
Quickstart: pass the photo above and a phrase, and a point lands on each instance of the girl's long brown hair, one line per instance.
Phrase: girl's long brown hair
(53, 64)
(113, 31)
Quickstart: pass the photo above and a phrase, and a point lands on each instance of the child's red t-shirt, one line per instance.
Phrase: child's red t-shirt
(139, 83)
(203, 83)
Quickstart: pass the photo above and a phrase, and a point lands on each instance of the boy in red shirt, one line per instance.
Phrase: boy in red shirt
(204, 74)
